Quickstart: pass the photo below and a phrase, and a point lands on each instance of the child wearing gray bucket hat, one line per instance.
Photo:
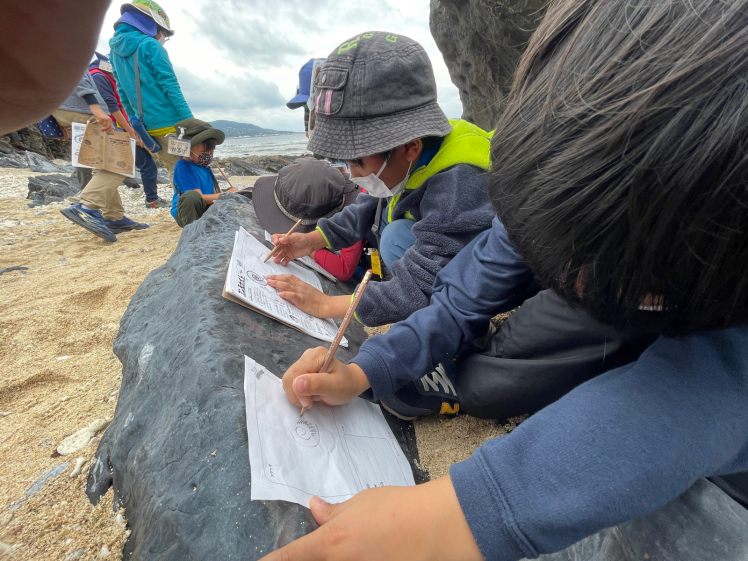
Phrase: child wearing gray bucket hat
(374, 105)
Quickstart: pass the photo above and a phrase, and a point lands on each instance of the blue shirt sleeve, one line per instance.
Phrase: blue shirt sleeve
(617, 447)
(486, 278)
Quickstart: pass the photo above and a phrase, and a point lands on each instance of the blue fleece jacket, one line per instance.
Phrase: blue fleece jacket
(619, 446)
(163, 102)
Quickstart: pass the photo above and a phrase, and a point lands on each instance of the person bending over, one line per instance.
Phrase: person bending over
(620, 180)
(308, 190)
(195, 186)
(424, 176)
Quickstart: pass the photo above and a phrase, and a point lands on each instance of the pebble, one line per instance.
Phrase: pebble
(104, 552)
(6, 549)
(62, 261)
(5, 519)
(39, 212)
(82, 438)
(63, 357)
(6, 413)
(75, 555)
(78, 467)
(119, 519)
(64, 399)
(111, 357)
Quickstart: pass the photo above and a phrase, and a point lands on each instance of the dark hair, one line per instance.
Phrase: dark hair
(209, 144)
(620, 165)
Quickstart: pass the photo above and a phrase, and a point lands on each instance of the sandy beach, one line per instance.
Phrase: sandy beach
(59, 316)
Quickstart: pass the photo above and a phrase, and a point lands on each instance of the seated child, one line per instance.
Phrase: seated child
(424, 175)
(620, 180)
(309, 189)
(195, 186)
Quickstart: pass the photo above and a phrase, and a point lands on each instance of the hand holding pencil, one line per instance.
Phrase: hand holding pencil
(319, 376)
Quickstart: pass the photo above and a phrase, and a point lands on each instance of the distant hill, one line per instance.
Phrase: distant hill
(234, 129)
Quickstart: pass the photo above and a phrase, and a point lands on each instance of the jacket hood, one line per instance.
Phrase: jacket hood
(126, 40)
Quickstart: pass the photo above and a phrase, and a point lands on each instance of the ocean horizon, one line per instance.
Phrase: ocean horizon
(271, 145)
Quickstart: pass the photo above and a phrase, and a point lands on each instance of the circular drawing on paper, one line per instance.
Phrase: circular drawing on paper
(257, 278)
(305, 433)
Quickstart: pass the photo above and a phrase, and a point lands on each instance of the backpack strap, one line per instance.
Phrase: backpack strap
(137, 86)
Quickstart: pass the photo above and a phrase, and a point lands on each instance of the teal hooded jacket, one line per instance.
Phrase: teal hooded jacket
(163, 102)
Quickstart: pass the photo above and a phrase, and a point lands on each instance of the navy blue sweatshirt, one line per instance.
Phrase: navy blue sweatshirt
(450, 209)
(615, 448)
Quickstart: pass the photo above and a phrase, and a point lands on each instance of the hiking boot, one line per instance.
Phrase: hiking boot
(433, 394)
(89, 219)
(124, 225)
(158, 203)
(74, 198)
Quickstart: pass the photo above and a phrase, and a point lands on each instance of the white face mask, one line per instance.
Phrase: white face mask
(376, 187)
(162, 39)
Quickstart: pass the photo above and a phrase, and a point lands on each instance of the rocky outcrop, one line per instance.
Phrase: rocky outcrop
(31, 139)
(53, 188)
(255, 165)
(176, 450)
(482, 41)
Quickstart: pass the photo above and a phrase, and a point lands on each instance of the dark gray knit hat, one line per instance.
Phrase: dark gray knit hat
(375, 92)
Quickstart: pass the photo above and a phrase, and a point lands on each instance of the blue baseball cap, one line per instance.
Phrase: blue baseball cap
(305, 83)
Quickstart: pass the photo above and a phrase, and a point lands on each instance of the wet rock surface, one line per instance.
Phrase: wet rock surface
(176, 450)
(482, 41)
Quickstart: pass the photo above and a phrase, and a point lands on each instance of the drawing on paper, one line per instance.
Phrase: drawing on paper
(332, 452)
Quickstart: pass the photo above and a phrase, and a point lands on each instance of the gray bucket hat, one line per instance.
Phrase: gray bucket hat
(308, 189)
(375, 92)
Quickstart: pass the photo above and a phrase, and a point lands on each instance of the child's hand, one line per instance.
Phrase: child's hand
(304, 384)
(296, 245)
(421, 523)
(301, 294)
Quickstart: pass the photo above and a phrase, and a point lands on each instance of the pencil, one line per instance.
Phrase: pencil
(224, 176)
(342, 328)
(277, 247)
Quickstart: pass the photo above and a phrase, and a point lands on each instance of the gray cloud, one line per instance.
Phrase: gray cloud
(244, 92)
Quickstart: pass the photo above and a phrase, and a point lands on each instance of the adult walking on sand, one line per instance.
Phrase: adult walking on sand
(100, 209)
(139, 38)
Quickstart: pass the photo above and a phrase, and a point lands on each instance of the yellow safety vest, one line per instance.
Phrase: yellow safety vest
(466, 144)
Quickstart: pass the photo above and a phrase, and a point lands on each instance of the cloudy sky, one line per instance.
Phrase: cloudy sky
(239, 59)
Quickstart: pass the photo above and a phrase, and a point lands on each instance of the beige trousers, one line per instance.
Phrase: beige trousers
(101, 192)
(169, 160)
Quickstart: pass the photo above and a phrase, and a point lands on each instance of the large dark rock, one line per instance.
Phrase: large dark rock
(182, 347)
(703, 524)
(31, 139)
(41, 164)
(45, 189)
(482, 41)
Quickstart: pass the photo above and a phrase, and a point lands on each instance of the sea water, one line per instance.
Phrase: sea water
(282, 144)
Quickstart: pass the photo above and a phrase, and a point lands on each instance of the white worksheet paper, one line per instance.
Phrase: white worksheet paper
(78, 130)
(330, 452)
(309, 262)
(246, 281)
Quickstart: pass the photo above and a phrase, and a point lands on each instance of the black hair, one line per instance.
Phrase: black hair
(209, 144)
(620, 165)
